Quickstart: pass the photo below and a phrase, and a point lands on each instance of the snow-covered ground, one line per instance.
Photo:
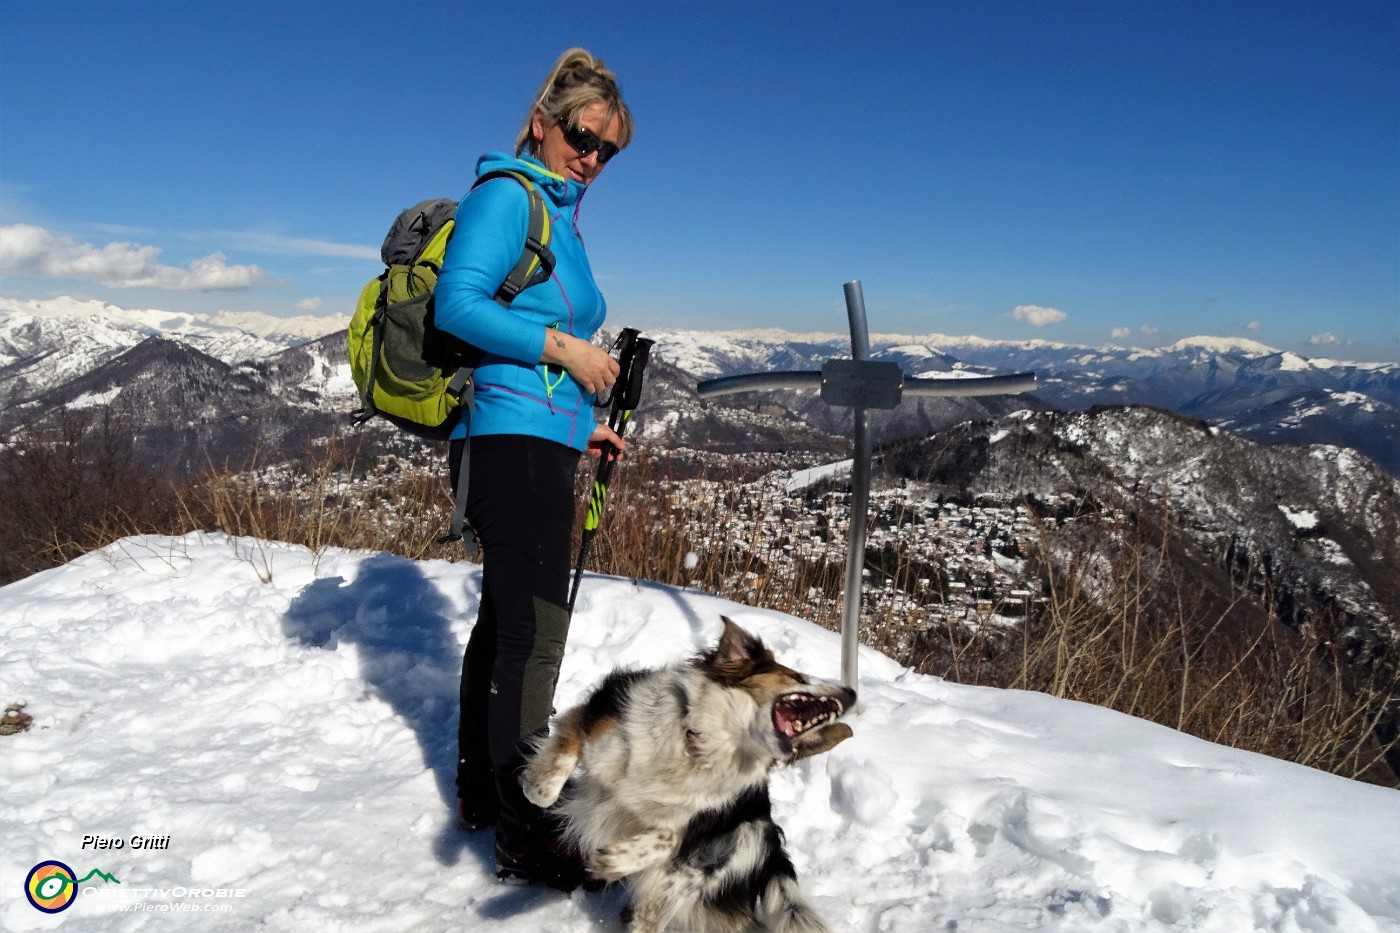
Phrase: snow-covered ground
(268, 733)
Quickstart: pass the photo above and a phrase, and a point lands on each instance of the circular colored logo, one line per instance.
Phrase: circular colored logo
(51, 887)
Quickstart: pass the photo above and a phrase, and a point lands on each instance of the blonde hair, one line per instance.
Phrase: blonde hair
(577, 81)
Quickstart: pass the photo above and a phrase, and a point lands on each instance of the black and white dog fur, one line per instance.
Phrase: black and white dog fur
(661, 777)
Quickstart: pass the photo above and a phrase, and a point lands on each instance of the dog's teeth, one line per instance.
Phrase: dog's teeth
(803, 711)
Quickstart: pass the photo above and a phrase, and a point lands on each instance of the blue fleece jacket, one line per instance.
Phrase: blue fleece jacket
(515, 393)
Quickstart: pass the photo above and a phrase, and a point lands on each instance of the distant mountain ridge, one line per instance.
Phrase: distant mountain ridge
(233, 335)
(1239, 384)
(1255, 390)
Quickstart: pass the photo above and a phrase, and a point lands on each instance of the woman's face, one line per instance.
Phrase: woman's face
(561, 157)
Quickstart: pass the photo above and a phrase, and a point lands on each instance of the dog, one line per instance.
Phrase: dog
(660, 778)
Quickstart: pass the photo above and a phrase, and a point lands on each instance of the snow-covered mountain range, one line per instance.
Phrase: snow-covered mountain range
(1243, 385)
(49, 350)
(229, 335)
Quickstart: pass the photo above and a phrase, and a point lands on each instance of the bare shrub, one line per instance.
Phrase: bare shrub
(73, 485)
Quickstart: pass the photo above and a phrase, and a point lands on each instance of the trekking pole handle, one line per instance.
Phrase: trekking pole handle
(623, 346)
(626, 346)
(632, 392)
(633, 353)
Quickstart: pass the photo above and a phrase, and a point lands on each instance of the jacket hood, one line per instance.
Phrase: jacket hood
(564, 192)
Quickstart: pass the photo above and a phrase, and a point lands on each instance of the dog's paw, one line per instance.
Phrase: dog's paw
(821, 739)
(617, 860)
(645, 919)
(544, 780)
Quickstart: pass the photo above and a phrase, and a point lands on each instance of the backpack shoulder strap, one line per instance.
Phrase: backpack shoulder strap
(536, 262)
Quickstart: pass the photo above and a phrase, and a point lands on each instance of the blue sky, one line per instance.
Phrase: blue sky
(1128, 172)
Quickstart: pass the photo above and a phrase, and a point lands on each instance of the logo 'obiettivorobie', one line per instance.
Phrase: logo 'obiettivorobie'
(52, 886)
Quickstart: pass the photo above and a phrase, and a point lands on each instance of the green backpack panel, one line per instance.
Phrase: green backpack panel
(406, 370)
(396, 367)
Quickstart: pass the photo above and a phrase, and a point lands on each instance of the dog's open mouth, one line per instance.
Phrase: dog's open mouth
(796, 713)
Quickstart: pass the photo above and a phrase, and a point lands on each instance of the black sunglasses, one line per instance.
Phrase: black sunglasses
(586, 141)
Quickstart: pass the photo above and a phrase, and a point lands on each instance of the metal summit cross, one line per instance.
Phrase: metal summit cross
(860, 384)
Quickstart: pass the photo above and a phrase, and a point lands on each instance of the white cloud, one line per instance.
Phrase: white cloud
(309, 304)
(1325, 339)
(29, 250)
(1037, 316)
(263, 242)
(1119, 333)
(1253, 325)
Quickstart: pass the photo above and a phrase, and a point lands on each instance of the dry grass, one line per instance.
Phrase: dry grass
(1124, 636)
(334, 498)
(1118, 629)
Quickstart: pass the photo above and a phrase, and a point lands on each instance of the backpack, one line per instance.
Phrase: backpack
(405, 369)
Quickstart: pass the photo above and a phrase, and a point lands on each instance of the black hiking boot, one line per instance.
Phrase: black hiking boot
(477, 813)
(478, 803)
(545, 858)
(513, 866)
(560, 866)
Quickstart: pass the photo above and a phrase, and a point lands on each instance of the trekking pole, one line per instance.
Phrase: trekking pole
(633, 352)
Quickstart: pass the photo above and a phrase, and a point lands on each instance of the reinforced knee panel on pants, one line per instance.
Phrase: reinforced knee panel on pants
(542, 667)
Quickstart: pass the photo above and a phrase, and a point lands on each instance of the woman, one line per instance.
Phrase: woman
(532, 419)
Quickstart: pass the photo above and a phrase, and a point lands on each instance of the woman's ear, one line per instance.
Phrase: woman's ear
(537, 124)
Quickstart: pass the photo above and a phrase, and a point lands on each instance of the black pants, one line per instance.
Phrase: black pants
(521, 505)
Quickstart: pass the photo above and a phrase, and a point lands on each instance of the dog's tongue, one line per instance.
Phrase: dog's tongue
(785, 720)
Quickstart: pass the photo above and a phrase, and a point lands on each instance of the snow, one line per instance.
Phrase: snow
(232, 336)
(1223, 345)
(292, 329)
(959, 371)
(95, 399)
(1331, 552)
(1299, 518)
(340, 381)
(663, 426)
(286, 719)
(803, 479)
(1357, 399)
(285, 330)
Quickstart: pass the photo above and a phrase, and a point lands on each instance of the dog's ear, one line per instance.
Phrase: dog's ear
(736, 646)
